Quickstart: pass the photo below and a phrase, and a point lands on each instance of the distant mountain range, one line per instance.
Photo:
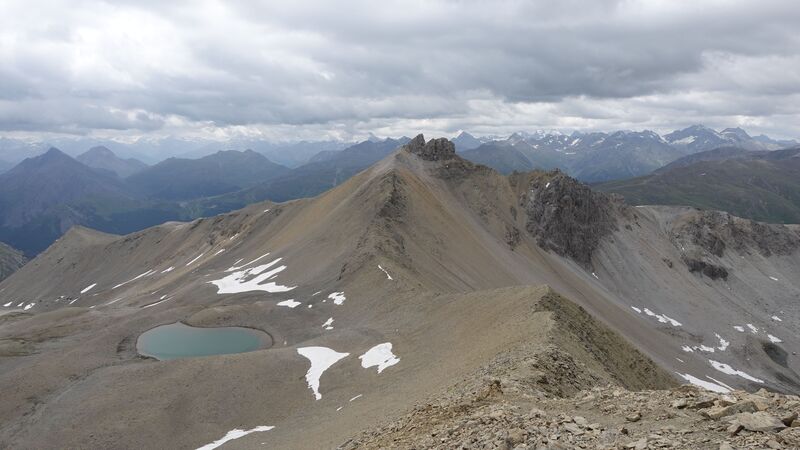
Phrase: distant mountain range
(596, 157)
(698, 138)
(44, 196)
(154, 150)
(189, 179)
(294, 154)
(761, 185)
(326, 171)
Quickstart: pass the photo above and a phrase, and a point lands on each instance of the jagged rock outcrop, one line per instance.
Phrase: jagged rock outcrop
(567, 217)
(433, 150)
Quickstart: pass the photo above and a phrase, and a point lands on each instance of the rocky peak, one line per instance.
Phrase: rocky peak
(434, 150)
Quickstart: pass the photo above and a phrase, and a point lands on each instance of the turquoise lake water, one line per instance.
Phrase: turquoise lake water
(178, 340)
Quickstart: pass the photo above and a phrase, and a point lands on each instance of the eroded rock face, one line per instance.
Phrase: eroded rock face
(716, 232)
(708, 236)
(567, 217)
(434, 150)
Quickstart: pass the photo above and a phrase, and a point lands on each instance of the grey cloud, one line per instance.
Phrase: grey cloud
(141, 66)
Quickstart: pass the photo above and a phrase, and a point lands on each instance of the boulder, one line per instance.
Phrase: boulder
(718, 412)
(759, 421)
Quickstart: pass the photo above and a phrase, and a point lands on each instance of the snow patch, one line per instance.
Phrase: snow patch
(290, 303)
(773, 278)
(721, 384)
(141, 275)
(685, 141)
(384, 271)
(725, 368)
(29, 306)
(753, 329)
(773, 339)
(234, 434)
(380, 355)
(663, 318)
(194, 260)
(235, 267)
(723, 344)
(238, 282)
(156, 303)
(321, 359)
(328, 325)
(168, 269)
(88, 288)
(738, 328)
(638, 311)
(337, 297)
(707, 385)
(698, 348)
(356, 397)
(8, 304)
(777, 319)
(595, 275)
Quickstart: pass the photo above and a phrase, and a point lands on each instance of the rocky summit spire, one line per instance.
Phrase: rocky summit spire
(433, 150)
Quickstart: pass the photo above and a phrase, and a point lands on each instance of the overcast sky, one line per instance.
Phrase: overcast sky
(341, 68)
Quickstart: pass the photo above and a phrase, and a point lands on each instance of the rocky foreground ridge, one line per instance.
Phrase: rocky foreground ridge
(604, 417)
